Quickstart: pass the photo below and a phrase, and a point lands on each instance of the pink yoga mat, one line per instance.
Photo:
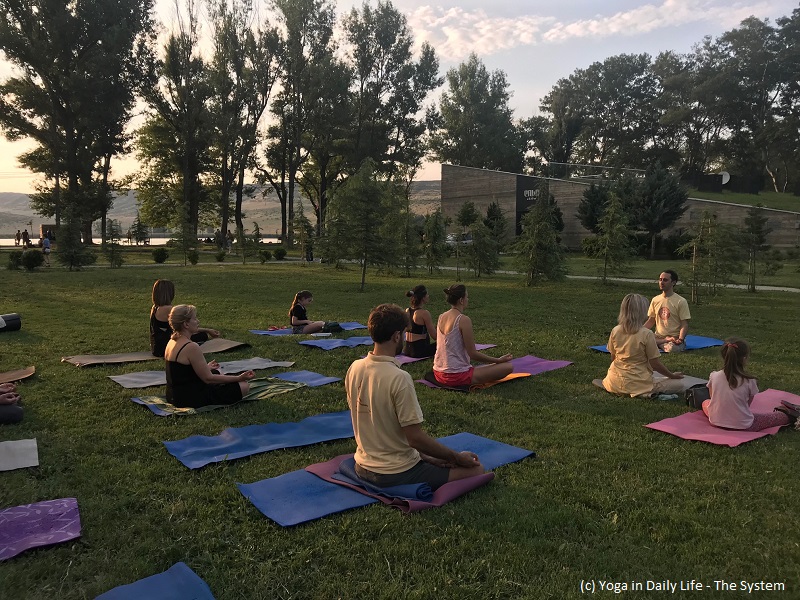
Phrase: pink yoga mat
(695, 425)
(446, 493)
(40, 524)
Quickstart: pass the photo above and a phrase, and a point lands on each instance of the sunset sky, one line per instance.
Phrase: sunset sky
(535, 43)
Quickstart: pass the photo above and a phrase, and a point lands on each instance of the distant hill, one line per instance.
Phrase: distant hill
(15, 210)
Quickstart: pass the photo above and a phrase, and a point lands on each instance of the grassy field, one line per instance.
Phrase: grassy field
(767, 198)
(606, 499)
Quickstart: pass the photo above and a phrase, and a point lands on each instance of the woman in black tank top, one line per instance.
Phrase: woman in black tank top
(417, 341)
(190, 380)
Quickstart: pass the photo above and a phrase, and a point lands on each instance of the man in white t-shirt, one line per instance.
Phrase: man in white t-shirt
(669, 312)
(392, 448)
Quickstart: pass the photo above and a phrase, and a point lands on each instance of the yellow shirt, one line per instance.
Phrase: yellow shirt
(630, 373)
(668, 313)
(382, 401)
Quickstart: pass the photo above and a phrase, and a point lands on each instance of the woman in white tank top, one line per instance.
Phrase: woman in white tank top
(455, 347)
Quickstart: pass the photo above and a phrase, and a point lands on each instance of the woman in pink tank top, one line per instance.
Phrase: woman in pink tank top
(455, 347)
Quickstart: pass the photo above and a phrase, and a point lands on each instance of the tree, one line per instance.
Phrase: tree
(474, 125)
(754, 237)
(303, 234)
(482, 254)
(539, 253)
(307, 42)
(173, 145)
(241, 75)
(80, 64)
(434, 240)
(113, 248)
(390, 87)
(497, 223)
(661, 202)
(139, 231)
(365, 212)
(611, 242)
(592, 205)
(715, 256)
(466, 216)
(71, 252)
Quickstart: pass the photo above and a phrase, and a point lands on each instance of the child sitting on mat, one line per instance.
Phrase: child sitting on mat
(417, 341)
(10, 404)
(635, 355)
(190, 380)
(455, 347)
(160, 331)
(298, 316)
(732, 390)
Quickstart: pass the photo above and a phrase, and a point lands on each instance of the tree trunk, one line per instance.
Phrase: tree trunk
(653, 246)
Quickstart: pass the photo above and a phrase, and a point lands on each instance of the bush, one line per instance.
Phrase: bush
(280, 253)
(113, 252)
(193, 256)
(160, 255)
(220, 256)
(14, 260)
(264, 256)
(32, 259)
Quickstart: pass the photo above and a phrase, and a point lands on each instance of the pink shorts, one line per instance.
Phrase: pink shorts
(454, 379)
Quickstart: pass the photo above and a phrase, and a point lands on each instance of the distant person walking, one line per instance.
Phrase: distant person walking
(17, 238)
(46, 250)
(26, 240)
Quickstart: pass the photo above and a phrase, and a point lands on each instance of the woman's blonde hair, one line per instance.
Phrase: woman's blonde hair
(633, 313)
(179, 316)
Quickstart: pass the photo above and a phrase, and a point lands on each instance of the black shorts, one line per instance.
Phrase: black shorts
(422, 472)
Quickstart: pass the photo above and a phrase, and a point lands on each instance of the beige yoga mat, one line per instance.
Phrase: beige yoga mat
(156, 378)
(18, 455)
(85, 360)
(17, 375)
(687, 381)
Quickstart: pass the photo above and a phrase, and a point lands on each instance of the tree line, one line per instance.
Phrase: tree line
(226, 90)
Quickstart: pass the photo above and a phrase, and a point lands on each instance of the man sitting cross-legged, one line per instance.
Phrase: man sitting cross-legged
(669, 312)
(392, 448)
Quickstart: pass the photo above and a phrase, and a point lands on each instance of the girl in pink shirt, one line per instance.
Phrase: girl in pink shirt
(732, 390)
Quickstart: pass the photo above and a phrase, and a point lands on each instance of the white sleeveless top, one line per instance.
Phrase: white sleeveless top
(451, 355)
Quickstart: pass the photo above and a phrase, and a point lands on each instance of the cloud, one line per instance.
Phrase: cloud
(456, 32)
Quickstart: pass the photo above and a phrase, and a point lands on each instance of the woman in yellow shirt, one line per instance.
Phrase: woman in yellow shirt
(635, 355)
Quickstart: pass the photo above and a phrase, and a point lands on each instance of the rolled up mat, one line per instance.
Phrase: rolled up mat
(10, 322)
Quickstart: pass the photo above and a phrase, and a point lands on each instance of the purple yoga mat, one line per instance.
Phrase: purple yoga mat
(446, 493)
(695, 425)
(532, 365)
(40, 524)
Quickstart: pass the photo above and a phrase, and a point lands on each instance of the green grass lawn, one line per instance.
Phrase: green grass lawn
(780, 201)
(606, 499)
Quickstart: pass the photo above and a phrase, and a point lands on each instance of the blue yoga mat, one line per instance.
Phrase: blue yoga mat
(352, 325)
(273, 332)
(331, 343)
(236, 442)
(300, 496)
(693, 342)
(310, 378)
(178, 582)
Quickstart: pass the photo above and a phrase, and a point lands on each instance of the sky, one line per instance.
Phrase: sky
(535, 43)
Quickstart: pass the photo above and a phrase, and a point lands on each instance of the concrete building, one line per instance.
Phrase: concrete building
(515, 193)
